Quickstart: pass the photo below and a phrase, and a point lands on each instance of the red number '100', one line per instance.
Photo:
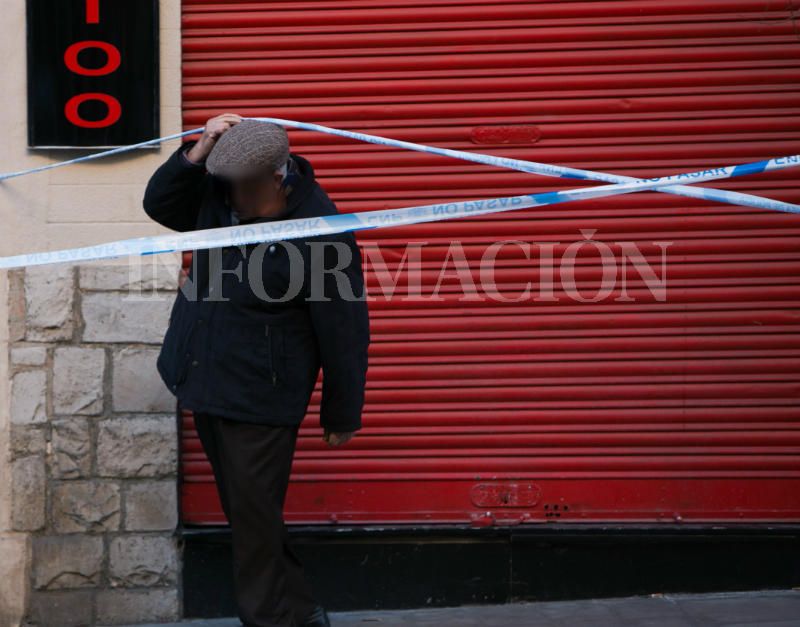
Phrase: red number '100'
(113, 60)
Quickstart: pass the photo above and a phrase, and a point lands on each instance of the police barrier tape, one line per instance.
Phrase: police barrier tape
(278, 230)
(545, 169)
(531, 167)
(274, 231)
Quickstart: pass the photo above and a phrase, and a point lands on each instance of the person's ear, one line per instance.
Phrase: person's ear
(278, 178)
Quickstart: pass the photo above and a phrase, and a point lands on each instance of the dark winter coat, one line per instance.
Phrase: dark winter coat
(244, 358)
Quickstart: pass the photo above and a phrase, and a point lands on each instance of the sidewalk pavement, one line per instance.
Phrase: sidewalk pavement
(741, 609)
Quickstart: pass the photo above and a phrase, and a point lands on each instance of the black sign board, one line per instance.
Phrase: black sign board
(92, 72)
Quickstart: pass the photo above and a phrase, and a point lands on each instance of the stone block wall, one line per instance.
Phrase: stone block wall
(93, 440)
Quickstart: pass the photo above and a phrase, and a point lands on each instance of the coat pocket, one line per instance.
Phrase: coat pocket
(173, 361)
(185, 355)
(270, 357)
(275, 354)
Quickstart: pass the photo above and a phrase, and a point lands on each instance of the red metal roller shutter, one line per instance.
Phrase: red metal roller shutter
(549, 408)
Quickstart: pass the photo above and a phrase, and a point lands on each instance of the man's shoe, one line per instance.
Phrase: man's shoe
(317, 618)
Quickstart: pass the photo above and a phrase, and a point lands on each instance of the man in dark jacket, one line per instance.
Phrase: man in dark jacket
(248, 334)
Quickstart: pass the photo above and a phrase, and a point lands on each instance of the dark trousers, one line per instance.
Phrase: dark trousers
(251, 464)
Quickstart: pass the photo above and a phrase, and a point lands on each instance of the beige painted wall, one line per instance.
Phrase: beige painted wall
(74, 206)
(84, 204)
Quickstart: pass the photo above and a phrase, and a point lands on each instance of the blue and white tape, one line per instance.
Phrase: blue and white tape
(98, 155)
(545, 169)
(532, 167)
(289, 229)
